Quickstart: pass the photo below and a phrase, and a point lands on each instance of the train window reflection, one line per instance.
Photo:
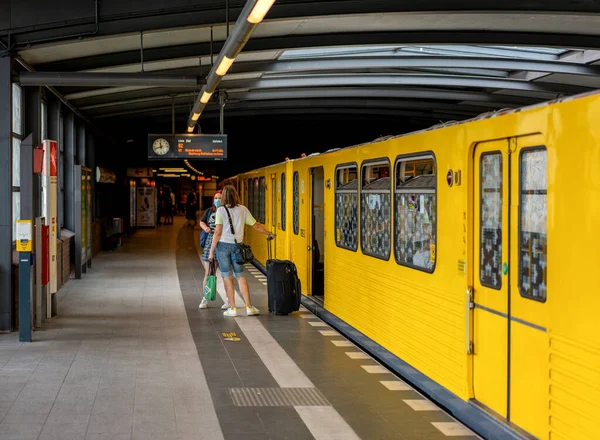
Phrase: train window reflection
(346, 207)
(375, 209)
(415, 220)
(533, 224)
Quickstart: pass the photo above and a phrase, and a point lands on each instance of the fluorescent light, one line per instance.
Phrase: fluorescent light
(224, 66)
(260, 10)
(190, 129)
(205, 97)
(195, 116)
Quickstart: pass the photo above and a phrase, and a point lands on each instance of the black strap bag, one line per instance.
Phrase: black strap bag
(243, 254)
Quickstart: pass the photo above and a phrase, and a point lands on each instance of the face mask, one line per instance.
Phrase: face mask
(217, 203)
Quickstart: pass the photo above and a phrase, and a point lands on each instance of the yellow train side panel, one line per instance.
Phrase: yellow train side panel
(422, 318)
(416, 315)
(573, 262)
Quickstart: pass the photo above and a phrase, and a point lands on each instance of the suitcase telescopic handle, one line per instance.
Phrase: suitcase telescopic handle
(269, 242)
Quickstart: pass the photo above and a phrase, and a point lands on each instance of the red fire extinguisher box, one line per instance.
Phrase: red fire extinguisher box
(38, 160)
(45, 257)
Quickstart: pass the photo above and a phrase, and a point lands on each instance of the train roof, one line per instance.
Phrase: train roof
(486, 115)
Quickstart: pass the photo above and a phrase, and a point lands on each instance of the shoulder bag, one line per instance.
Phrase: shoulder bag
(243, 254)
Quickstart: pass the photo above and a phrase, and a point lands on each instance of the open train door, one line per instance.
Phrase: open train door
(510, 343)
(317, 244)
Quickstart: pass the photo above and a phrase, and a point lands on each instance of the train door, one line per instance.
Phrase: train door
(529, 370)
(510, 345)
(273, 226)
(490, 281)
(317, 256)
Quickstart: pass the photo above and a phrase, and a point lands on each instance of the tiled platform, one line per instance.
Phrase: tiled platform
(132, 357)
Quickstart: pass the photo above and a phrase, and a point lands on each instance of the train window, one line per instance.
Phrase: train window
(255, 199)
(375, 207)
(273, 202)
(296, 212)
(251, 196)
(415, 204)
(346, 207)
(283, 199)
(262, 186)
(490, 227)
(533, 223)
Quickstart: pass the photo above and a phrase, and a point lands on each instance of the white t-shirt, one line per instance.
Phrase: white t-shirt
(240, 215)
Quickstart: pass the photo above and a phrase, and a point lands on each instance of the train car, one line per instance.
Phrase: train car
(468, 250)
(234, 181)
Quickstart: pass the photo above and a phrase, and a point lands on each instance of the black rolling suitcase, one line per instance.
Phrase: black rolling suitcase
(283, 286)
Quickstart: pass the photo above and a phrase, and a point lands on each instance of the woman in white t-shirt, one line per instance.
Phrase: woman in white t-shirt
(224, 246)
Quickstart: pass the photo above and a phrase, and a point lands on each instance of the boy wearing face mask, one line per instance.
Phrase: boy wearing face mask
(207, 224)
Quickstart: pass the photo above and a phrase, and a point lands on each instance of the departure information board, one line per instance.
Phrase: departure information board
(187, 146)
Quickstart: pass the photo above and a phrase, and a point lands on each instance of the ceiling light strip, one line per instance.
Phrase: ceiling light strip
(253, 13)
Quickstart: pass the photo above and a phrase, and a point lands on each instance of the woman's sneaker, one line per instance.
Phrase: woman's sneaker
(250, 311)
(203, 304)
(225, 306)
(230, 312)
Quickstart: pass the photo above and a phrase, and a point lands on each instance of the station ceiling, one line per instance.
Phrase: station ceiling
(428, 62)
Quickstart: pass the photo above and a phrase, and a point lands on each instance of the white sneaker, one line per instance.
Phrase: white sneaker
(225, 306)
(230, 312)
(250, 311)
(203, 304)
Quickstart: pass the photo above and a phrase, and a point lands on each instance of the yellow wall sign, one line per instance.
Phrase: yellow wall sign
(24, 238)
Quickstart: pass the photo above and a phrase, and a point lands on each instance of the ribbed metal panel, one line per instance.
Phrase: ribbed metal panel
(278, 397)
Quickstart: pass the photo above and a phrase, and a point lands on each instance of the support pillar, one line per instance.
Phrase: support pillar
(81, 150)
(91, 163)
(69, 156)
(6, 298)
(28, 204)
(33, 126)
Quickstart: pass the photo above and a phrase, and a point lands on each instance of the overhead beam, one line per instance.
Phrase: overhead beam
(156, 15)
(464, 110)
(61, 98)
(329, 92)
(105, 79)
(194, 50)
(326, 110)
(403, 80)
(405, 62)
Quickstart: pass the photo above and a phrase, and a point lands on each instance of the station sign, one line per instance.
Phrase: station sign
(139, 172)
(187, 146)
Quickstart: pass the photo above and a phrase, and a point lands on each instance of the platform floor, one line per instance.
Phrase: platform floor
(132, 357)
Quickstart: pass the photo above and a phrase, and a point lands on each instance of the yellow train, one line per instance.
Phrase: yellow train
(470, 250)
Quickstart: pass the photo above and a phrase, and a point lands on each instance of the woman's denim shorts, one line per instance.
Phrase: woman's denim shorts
(225, 253)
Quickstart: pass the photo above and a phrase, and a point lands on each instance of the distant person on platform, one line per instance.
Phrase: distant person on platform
(169, 206)
(190, 210)
(182, 203)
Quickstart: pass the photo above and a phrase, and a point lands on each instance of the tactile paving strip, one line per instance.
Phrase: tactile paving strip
(278, 397)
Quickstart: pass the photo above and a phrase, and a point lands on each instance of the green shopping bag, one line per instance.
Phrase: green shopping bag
(210, 291)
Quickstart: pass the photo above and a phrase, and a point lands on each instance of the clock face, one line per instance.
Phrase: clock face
(161, 146)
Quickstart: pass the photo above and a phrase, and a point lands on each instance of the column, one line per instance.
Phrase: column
(70, 139)
(90, 155)
(6, 302)
(81, 150)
